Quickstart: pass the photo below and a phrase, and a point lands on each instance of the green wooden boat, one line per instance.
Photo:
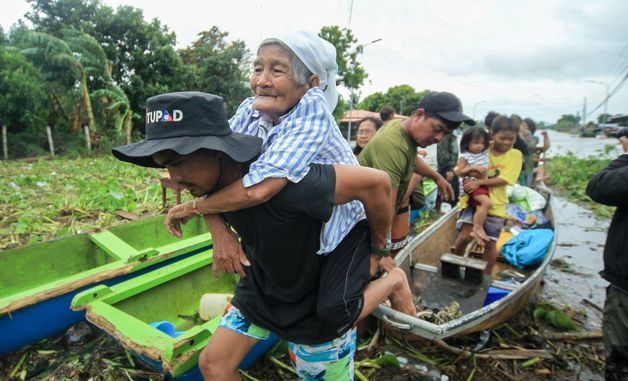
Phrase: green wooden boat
(132, 310)
(38, 282)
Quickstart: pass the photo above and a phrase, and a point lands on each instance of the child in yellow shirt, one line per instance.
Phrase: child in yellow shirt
(507, 161)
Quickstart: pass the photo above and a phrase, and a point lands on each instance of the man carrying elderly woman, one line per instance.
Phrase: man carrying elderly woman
(293, 81)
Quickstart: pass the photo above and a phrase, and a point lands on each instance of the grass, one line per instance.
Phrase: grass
(49, 199)
(570, 176)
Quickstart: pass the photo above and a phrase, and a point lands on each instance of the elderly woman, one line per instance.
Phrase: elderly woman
(294, 82)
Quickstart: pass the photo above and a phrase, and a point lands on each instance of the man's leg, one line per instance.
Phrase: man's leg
(329, 361)
(231, 342)
(615, 333)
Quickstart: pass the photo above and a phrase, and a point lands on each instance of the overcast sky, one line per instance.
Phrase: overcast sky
(528, 57)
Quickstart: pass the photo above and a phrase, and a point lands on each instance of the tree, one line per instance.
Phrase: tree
(567, 122)
(22, 93)
(602, 118)
(143, 59)
(54, 16)
(219, 67)
(351, 74)
(402, 97)
(59, 60)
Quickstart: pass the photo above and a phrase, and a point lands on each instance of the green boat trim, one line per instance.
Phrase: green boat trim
(38, 272)
(125, 310)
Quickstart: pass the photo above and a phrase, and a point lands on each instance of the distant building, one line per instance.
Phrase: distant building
(622, 119)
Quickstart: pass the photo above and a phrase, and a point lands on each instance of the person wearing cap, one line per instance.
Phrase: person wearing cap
(394, 150)
(610, 187)
(294, 81)
(286, 289)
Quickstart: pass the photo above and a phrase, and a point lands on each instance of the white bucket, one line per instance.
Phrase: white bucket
(213, 305)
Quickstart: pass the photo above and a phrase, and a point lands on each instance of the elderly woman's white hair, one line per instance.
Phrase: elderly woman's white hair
(310, 55)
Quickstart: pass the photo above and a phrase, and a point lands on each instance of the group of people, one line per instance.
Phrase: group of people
(314, 217)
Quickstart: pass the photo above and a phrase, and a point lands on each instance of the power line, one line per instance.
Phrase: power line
(609, 95)
(616, 67)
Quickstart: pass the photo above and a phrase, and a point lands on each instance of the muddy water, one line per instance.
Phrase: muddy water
(562, 143)
(581, 238)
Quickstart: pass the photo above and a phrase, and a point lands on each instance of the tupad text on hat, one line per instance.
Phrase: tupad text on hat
(164, 116)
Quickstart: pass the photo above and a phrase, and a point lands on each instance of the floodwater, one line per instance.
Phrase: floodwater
(581, 237)
(562, 143)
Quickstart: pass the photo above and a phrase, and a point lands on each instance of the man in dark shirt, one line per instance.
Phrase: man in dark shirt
(313, 301)
(446, 160)
(610, 187)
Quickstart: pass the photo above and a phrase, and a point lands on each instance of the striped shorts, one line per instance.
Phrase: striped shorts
(329, 361)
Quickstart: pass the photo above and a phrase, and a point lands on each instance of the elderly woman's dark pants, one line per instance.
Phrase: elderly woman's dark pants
(615, 330)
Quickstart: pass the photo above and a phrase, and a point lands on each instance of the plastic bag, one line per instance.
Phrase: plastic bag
(527, 198)
(528, 248)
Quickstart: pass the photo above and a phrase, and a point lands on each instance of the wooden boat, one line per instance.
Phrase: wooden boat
(421, 261)
(38, 282)
(131, 310)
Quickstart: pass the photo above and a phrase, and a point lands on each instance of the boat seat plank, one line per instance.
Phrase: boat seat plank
(473, 263)
(112, 244)
(473, 268)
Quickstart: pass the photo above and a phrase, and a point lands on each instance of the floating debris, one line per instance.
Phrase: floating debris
(435, 315)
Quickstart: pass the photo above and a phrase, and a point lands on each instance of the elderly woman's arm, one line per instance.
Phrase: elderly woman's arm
(228, 254)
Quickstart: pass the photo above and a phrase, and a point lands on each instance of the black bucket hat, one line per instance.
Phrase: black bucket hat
(446, 105)
(185, 122)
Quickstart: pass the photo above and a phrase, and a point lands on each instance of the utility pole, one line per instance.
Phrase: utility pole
(606, 86)
(584, 112)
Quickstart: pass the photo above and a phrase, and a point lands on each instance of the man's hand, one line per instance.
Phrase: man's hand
(387, 264)
(446, 191)
(624, 142)
(228, 255)
(471, 185)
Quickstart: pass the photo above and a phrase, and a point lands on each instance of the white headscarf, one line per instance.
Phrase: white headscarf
(319, 56)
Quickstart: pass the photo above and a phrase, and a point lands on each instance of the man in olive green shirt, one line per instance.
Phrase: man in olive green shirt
(394, 150)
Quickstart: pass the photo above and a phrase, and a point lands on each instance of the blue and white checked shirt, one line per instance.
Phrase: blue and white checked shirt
(306, 135)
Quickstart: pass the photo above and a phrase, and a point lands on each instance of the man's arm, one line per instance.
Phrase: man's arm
(423, 169)
(372, 188)
(610, 185)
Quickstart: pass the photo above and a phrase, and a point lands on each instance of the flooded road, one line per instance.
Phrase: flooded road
(581, 237)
